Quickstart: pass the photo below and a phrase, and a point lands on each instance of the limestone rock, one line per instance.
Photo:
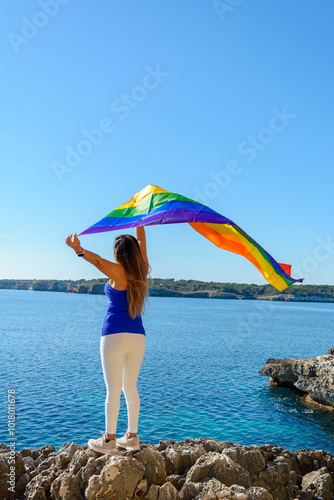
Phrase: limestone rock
(120, 476)
(153, 493)
(211, 445)
(141, 488)
(177, 480)
(39, 487)
(43, 464)
(320, 482)
(190, 490)
(209, 489)
(35, 453)
(238, 492)
(29, 464)
(50, 466)
(181, 456)
(219, 466)
(155, 468)
(305, 461)
(65, 454)
(200, 469)
(205, 488)
(168, 492)
(11, 469)
(163, 444)
(314, 376)
(21, 484)
(257, 493)
(229, 472)
(93, 467)
(66, 487)
(250, 459)
(79, 460)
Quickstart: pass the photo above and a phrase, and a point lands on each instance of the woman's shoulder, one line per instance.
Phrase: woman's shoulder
(119, 286)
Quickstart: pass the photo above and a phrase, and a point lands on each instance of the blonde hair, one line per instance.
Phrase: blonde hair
(128, 254)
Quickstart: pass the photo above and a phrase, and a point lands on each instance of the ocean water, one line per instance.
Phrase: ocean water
(199, 376)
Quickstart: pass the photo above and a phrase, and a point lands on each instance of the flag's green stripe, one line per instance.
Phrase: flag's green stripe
(264, 254)
(151, 202)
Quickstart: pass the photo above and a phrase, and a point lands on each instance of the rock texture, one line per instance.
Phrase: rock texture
(201, 469)
(314, 376)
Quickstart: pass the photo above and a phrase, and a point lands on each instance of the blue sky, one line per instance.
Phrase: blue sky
(226, 102)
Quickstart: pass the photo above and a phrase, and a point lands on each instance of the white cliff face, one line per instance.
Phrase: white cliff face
(314, 376)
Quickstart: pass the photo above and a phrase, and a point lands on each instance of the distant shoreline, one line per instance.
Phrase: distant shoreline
(185, 288)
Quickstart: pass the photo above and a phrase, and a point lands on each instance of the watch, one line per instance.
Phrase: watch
(81, 254)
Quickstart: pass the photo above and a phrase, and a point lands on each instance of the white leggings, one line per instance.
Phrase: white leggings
(121, 356)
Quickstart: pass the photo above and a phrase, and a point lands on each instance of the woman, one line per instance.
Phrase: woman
(123, 336)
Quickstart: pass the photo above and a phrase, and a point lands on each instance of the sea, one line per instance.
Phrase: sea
(199, 377)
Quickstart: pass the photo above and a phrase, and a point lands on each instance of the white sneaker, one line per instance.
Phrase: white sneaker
(128, 444)
(101, 446)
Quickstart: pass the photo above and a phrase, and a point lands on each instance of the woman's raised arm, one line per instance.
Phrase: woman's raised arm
(141, 238)
(110, 269)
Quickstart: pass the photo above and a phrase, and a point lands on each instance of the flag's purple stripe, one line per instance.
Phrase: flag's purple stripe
(169, 217)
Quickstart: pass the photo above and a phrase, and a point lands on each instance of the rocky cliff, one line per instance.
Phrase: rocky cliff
(313, 376)
(54, 286)
(184, 288)
(191, 469)
(98, 288)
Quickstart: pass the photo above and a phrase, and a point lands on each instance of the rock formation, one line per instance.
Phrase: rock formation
(184, 288)
(314, 376)
(201, 469)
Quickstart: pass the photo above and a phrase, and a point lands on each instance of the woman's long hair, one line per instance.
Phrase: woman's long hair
(127, 253)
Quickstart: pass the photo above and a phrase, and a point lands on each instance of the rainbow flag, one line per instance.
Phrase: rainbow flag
(153, 205)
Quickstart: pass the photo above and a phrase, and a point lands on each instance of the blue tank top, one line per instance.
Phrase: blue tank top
(117, 319)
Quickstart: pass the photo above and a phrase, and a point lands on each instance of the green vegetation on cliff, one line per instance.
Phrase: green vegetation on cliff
(250, 291)
(183, 288)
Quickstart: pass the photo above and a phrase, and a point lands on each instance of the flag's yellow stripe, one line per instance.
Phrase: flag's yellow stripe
(229, 238)
(142, 195)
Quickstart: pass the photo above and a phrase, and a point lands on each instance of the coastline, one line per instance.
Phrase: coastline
(185, 289)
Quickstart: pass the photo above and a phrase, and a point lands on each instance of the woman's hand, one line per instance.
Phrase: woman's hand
(75, 244)
(106, 267)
